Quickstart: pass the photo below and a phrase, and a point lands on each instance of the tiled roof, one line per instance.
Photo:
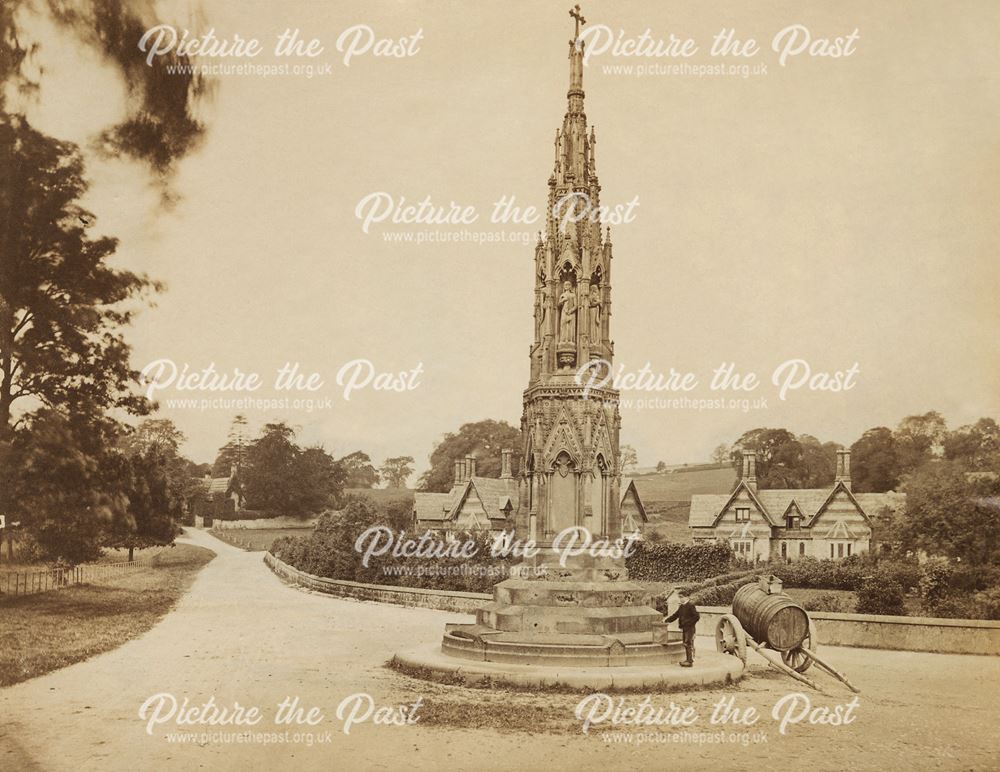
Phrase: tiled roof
(705, 507)
(218, 485)
(431, 506)
(494, 493)
(776, 502)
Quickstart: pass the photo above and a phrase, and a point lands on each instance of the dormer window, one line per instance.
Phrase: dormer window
(742, 514)
(793, 521)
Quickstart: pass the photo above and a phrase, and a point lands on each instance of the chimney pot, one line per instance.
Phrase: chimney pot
(471, 465)
(505, 455)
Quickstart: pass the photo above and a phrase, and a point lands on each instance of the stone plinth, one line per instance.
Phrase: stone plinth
(580, 613)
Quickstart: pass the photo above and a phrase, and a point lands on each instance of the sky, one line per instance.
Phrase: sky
(838, 211)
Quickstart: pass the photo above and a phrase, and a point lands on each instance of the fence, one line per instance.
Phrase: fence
(30, 582)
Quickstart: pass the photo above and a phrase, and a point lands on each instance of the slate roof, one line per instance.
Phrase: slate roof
(705, 508)
(494, 493)
(431, 506)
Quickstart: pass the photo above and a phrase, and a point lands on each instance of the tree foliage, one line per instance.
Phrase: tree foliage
(62, 306)
(945, 516)
(482, 439)
(786, 461)
(358, 470)
(395, 470)
(874, 462)
(280, 478)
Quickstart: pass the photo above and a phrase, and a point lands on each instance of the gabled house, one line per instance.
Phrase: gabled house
(788, 524)
(474, 503)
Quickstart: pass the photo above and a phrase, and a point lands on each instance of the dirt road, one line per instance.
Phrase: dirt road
(240, 635)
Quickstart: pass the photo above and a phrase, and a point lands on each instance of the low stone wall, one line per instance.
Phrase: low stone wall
(941, 636)
(265, 522)
(869, 631)
(443, 600)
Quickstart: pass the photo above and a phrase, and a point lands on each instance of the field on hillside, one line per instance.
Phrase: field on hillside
(381, 495)
(667, 497)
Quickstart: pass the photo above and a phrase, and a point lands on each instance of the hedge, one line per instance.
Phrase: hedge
(669, 562)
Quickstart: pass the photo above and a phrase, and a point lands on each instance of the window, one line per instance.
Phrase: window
(784, 551)
(831, 550)
(742, 549)
(802, 548)
(848, 550)
(742, 514)
(840, 550)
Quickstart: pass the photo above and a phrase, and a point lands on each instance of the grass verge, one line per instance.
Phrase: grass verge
(44, 632)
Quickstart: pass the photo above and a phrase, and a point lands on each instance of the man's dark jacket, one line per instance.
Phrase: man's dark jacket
(687, 614)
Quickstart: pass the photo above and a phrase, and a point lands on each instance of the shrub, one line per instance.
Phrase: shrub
(828, 601)
(935, 587)
(986, 604)
(329, 552)
(720, 594)
(881, 594)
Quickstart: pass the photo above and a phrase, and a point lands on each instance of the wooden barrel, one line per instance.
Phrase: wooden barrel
(772, 619)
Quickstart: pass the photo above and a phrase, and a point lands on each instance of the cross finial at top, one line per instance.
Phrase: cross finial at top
(578, 20)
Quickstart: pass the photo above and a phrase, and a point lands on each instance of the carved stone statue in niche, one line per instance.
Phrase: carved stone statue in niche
(595, 314)
(543, 315)
(567, 314)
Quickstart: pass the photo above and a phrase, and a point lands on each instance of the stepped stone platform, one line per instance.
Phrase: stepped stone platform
(580, 624)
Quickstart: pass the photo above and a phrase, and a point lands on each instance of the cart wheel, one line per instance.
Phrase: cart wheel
(797, 659)
(730, 638)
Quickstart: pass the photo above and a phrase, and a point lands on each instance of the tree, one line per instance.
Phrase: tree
(721, 453)
(154, 505)
(232, 455)
(817, 463)
(62, 306)
(784, 460)
(945, 516)
(779, 456)
(919, 438)
(281, 478)
(67, 483)
(874, 462)
(159, 124)
(661, 466)
(159, 434)
(629, 458)
(358, 470)
(162, 437)
(976, 445)
(395, 470)
(482, 439)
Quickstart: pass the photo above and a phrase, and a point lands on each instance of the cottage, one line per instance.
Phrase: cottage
(787, 524)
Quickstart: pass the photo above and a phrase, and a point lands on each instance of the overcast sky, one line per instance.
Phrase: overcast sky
(837, 211)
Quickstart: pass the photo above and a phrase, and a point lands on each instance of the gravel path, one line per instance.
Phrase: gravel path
(240, 635)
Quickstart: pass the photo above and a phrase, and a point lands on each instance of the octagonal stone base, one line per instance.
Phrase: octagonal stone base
(551, 619)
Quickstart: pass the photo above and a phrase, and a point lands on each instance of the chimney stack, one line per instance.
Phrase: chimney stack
(470, 467)
(505, 455)
(750, 469)
(458, 472)
(843, 468)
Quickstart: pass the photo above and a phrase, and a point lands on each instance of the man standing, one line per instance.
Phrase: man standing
(687, 615)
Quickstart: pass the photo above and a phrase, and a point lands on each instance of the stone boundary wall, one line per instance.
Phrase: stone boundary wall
(870, 631)
(941, 636)
(442, 600)
(264, 522)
